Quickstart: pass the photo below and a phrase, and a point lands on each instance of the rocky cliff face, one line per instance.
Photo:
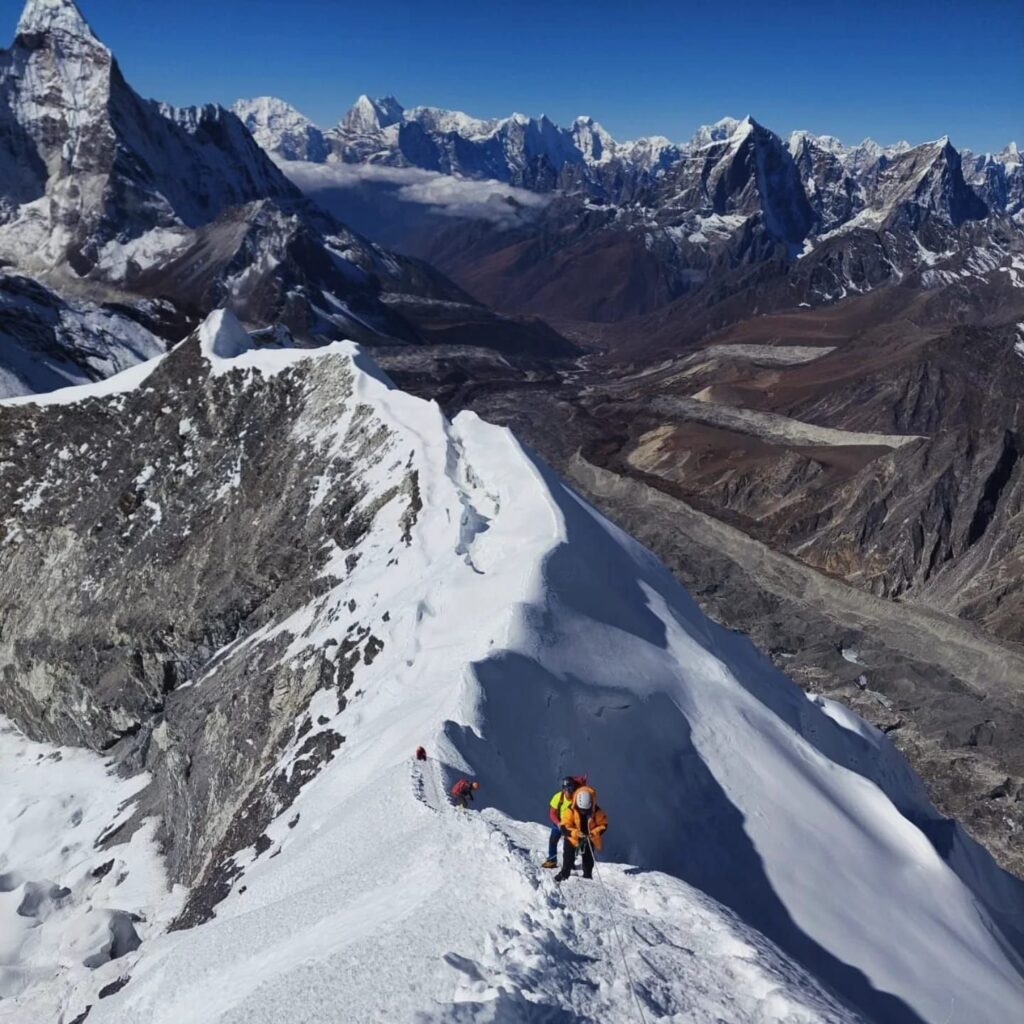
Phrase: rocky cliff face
(115, 167)
(191, 555)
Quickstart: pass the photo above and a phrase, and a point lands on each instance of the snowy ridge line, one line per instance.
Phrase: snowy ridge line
(118, 384)
(569, 927)
(501, 668)
(225, 345)
(564, 644)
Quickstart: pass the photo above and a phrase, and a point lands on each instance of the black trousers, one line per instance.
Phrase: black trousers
(569, 858)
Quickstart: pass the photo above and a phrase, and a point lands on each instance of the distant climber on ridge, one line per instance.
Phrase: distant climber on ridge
(583, 824)
(569, 785)
(462, 792)
(421, 754)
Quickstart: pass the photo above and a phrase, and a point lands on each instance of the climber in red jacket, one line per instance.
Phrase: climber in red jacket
(462, 792)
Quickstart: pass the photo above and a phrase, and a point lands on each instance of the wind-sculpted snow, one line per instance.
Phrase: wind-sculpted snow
(289, 575)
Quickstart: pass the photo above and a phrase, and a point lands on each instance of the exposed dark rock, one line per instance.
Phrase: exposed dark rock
(114, 986)
(102, 870)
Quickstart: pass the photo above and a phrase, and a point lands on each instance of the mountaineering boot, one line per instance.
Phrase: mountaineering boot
(561, 876)
(550, 863)
(587, 874)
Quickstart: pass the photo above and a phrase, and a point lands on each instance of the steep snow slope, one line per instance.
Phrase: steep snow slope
(518, 635)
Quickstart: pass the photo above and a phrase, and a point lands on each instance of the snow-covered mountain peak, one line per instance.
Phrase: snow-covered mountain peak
(721, 130)
(63, 16)
(268, 109)
(593, 140)
(279, 128)
(368, 115)
(745, 128)
(828, 143)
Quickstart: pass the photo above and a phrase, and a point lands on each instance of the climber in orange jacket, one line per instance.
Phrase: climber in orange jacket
(583, 825)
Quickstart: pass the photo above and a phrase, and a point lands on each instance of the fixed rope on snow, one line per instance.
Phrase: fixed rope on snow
(618, 938)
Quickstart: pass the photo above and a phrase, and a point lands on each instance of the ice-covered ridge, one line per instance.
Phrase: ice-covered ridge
(117, 384)
(519, 635)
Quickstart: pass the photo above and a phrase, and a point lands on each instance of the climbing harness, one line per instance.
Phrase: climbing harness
(618, 938)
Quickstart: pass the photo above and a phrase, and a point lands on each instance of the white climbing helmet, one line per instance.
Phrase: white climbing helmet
(584, 801)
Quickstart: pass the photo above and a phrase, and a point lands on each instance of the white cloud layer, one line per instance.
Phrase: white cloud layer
(443, 194)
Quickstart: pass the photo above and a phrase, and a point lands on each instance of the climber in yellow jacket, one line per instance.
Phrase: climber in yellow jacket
(561, 799)
(583, 824)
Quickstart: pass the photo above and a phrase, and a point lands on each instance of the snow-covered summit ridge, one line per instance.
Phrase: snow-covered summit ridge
(279, 128)
(367, 115)
(518, 635)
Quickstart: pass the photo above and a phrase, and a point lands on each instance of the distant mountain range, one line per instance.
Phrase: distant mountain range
(538, 154)
(631, 227)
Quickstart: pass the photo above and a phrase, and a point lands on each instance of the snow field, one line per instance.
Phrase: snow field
(70, 913)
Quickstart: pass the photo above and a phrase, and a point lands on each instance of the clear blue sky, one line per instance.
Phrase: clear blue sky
(914, 69)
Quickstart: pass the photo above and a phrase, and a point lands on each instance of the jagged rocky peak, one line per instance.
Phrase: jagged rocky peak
(746, 170)
(63, 16)
(114, 167)
(139, 194)
(924, 182)
(592, 140)
(1010, 154)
